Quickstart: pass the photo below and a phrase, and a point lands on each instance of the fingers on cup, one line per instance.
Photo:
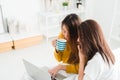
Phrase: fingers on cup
(60, 44)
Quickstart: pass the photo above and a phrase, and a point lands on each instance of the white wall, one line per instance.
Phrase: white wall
(89, 8)
(27, 11)
(24, 11)
(102, 11)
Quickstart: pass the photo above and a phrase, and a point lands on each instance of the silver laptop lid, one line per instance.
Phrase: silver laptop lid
(35, 72)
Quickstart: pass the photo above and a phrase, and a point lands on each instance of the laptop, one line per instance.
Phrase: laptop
(37, 73)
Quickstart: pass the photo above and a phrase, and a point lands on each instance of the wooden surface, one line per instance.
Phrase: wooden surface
(26, 42)
(6, 46)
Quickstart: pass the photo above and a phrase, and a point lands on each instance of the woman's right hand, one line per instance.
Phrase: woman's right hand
(54, 42)
(55, 70)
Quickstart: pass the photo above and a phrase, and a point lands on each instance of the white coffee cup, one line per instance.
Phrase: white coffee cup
(60, 44)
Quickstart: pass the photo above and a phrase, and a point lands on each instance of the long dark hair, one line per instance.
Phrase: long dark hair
(71, 22)
(92, 40)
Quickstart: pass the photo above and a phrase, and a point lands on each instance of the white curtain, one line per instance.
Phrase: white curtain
(1, 21)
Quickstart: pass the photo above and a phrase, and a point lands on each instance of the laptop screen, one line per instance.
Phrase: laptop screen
(40, 73)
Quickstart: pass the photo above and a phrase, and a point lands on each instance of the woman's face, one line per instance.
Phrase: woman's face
(65, 32)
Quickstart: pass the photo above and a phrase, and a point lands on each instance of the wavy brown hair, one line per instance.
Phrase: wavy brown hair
(92, 41)
(71, 23)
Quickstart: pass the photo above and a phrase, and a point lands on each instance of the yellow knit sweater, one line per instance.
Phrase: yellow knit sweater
(64, 56)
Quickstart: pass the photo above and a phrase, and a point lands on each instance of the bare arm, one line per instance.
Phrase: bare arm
(81, 64)
(71, 68)
(55, 70)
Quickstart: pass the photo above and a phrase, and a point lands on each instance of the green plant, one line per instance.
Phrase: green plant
(65, 3)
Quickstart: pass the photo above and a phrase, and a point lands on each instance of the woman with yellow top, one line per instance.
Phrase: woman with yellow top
(70, 53)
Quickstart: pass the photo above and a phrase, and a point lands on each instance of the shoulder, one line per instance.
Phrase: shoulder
(97, 68)
(97, 59)
(94, 66)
